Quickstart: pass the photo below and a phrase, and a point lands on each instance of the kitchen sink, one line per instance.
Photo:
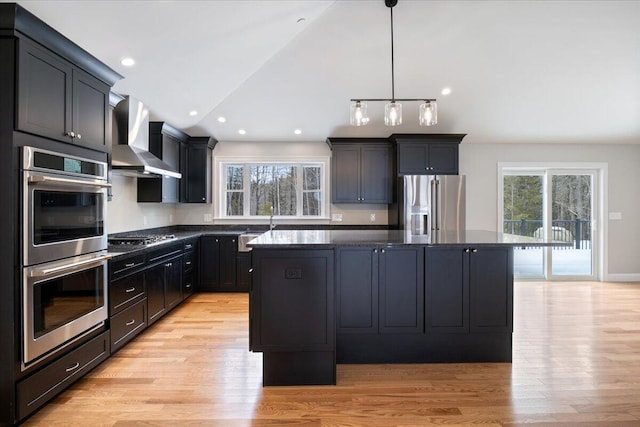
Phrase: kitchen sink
(243, 239)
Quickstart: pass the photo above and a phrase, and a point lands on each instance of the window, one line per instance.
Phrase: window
(281, 189)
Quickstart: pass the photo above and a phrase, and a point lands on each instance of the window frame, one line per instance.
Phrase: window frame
(299, 162)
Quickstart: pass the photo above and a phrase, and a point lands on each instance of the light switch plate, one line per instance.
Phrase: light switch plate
(615, 215)
(336, 217)
(208, 217)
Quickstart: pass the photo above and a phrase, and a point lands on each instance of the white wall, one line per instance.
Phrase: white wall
(480, 163)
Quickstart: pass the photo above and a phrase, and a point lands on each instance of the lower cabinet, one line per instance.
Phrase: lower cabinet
(469, 289)
(243, 265)
(164, 287)
(380, 289)
(218, 263)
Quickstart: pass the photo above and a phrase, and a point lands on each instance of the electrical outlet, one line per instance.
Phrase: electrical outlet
(144, 220)
(336, 217)
(208, 217)
(615, 215)
(372, 217)
(170, 217)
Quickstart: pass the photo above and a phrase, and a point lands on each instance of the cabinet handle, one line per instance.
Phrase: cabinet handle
(78, 136)
(381, 251)
(466, 251)
(188, 263)
(130, 322)
(71, 134)
(203, 199)
(130, 290)
(375, 251)
(233, 240)
(73, 368)
(474, 250)
(188, 246)
(130, 264)
(169, 264)
(188, 285)
(217, 240)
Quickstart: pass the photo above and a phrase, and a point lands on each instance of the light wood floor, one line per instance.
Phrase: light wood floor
(576, 362)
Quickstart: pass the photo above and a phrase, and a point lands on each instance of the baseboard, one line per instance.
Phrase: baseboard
(633, 277)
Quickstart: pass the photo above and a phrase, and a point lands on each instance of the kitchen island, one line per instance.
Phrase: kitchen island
(321, 297)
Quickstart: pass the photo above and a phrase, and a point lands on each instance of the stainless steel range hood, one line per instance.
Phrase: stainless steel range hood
(131, 156)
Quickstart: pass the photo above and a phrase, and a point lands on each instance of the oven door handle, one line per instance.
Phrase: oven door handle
(42, 272)
(37, 179)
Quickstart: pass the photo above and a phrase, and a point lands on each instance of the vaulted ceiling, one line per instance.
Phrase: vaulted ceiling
(519, 71)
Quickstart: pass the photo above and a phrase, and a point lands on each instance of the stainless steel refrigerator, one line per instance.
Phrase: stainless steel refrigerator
(431, 203)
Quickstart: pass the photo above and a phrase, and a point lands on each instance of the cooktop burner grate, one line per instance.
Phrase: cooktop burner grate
(140, 240)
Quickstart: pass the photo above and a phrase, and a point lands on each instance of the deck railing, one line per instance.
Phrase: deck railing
(577, 231)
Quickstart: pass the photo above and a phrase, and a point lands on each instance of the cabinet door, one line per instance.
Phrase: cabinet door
(292, 300)
(357, 289)
(375, 182)
(209, 263)
(90, 111)
(44, 93)
(156, 301)
(345, 174)
(413, 159)
(446, 290)
(198, 174)
(173, 278)
(443, 159)
(491, 289)
(227, 263)
(243, 264)
(401, 282)
(171, 156)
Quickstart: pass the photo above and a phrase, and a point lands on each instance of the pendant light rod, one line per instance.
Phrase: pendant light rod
(393, 80)
(396, 99)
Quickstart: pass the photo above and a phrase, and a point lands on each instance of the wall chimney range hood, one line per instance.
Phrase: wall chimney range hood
(131, 156)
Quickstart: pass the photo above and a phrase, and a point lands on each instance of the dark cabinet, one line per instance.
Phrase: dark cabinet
(164, 143)
(218, 263)
(380, 290)
(427, 154)
(189, 277)
(361, 171)
(195, 166)
(243, 267)
(292, 300)
(59, 101)
(469, 289)
(163, 281)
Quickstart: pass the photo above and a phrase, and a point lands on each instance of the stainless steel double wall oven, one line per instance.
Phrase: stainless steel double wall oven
(64, 268)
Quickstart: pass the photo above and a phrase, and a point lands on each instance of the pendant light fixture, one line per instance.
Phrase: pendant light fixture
(428, 115)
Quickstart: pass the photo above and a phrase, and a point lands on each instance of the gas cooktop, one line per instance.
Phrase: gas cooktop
(140, 240)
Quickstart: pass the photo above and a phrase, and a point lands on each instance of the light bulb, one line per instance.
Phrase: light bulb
(358, 116)
(428, 113)
(393, 114)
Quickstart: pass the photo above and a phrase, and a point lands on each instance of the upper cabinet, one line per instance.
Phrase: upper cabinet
(361, 170)
(164, 143)
(62, 92)
(427, 154)
(195, 167)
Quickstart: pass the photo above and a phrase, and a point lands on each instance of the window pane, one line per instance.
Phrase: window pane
(234, 177)
(234, 203)
(311, 203)
(311, 177)
(273, 186)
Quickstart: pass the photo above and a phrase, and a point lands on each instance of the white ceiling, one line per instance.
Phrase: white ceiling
(519, 71)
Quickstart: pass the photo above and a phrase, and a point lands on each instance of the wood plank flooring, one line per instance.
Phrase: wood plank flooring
(576, 362)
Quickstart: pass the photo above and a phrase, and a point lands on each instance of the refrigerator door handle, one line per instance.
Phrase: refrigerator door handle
(435, 225)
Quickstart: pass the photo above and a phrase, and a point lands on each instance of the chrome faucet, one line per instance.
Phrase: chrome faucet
(271, 224)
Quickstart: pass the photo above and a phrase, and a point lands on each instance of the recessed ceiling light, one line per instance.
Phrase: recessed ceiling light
(297, 131)
(446, 91)
(193, 113)
(242, 131)
(128, 62)
(222, 119)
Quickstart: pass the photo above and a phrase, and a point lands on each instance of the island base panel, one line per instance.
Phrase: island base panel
(445, 348)
(299, 368)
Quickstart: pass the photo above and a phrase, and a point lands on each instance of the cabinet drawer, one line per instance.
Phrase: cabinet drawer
(163, 253)
(188, 261)
(125, 291)
(128, 324)
(122, 267)
(42, 386)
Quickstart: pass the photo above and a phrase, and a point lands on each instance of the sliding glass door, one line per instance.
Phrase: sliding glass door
(554, 204)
